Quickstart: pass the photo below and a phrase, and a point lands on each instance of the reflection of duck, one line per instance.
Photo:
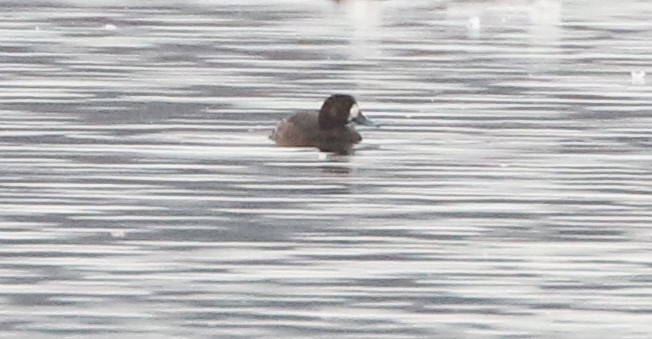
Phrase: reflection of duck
(327, 129)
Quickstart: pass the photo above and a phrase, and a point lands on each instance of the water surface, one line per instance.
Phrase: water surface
(507, 195)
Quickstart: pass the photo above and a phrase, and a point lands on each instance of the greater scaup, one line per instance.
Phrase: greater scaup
(328, 129)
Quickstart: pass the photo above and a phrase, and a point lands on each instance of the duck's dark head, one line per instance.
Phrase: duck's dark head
(340, 109)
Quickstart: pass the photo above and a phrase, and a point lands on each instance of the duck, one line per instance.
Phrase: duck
(329, 129)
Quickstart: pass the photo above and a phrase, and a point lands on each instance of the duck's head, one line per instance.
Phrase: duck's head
(339, 110)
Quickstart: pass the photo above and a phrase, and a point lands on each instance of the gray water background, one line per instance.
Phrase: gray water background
(507, 194)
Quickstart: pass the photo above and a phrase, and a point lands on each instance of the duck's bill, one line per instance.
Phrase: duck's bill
(362, 120)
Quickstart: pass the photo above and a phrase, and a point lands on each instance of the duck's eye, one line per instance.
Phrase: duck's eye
(353, 113)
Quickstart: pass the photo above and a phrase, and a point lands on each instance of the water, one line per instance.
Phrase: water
(507, 195)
